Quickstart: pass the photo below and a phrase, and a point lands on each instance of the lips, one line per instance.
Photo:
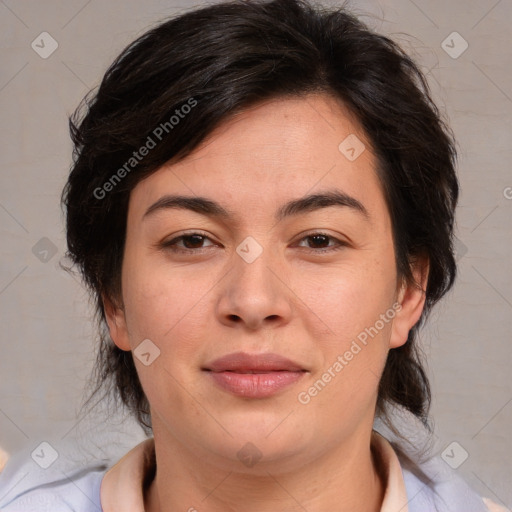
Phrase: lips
(254, 376)
(242, 362)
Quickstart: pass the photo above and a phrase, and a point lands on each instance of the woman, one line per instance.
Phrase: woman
(262, 204)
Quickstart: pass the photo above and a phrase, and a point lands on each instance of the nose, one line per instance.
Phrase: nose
(255, 295)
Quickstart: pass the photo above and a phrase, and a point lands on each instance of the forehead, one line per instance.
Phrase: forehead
(270, 153)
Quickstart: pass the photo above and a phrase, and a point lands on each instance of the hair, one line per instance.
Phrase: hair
(222, 59)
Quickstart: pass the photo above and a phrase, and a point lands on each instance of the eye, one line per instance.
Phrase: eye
(321, 243)
(188, 243)
(194, 242)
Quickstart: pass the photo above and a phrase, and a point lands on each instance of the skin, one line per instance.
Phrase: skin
(292, 300)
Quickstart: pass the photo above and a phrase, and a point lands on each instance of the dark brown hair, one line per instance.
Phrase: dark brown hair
(223, 58)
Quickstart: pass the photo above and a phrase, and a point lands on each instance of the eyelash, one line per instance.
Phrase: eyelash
(171, 244)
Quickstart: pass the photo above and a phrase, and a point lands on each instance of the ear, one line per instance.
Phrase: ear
(411, 297)
(116, 321)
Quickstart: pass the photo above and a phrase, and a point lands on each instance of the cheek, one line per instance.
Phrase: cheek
(348, 298)
(351, 303)
(167, 304)
(353, 354)
(171, 311)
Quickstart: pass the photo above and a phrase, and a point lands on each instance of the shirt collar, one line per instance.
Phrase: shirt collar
(123, 484)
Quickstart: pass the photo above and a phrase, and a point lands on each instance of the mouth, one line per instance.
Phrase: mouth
(251, 372)
(242, 362)
(254, 376)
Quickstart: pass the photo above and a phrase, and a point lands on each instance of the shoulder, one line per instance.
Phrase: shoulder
(430, 483)
(28, 487)
(433, 486)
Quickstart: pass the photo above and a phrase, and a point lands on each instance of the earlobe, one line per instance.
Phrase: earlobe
(116, 321)
(411, 297)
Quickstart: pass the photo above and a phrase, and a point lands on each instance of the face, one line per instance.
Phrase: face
(261, 269)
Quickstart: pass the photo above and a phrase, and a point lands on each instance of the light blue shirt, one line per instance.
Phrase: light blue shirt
(26, 487)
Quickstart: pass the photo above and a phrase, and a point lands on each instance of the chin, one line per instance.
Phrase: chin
(254, 450)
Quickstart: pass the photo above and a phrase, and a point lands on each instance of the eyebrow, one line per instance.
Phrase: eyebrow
(294, 207)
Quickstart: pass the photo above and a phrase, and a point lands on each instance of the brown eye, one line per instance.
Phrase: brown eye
(188, 243)
(321, 243)
(193, 241)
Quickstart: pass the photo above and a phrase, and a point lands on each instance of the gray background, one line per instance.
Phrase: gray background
(47, 338)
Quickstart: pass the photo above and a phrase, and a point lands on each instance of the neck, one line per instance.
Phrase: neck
(346, 479)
